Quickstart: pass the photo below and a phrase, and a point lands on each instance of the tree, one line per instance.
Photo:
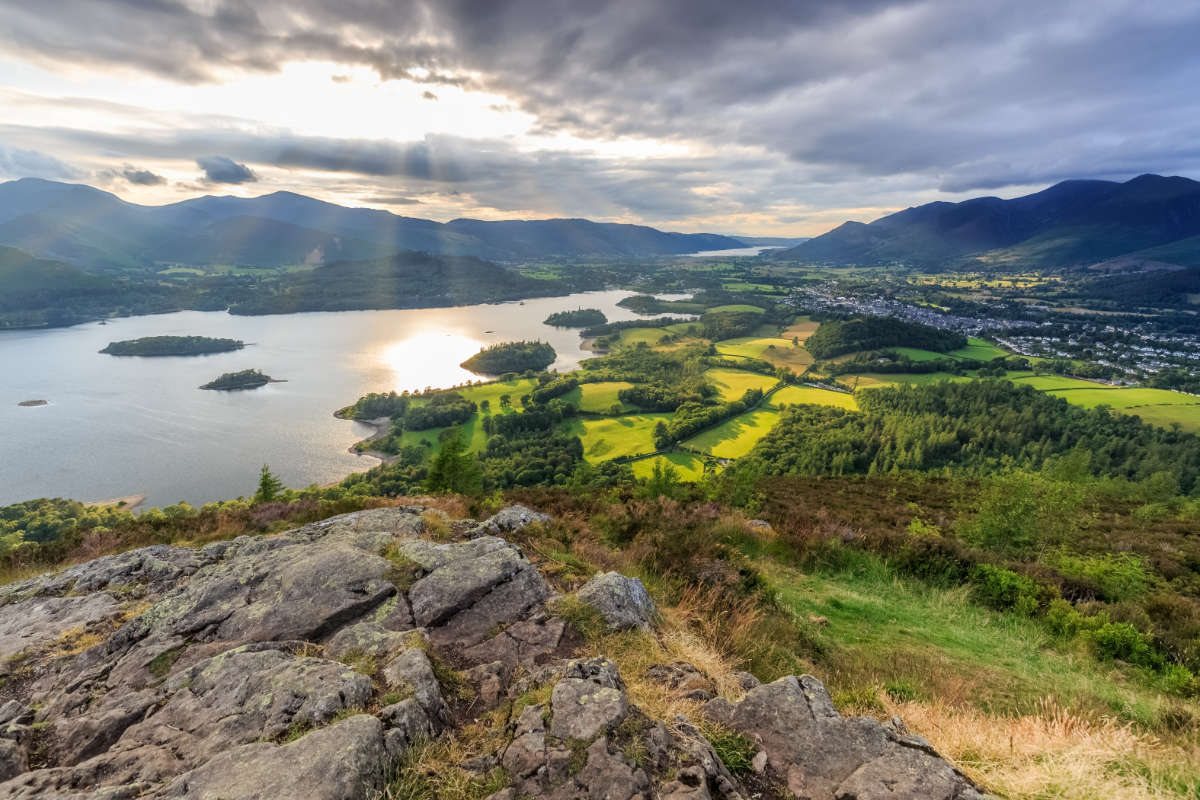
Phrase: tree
(485, 406)
(505, 401)
(269, 486)
(454, 469)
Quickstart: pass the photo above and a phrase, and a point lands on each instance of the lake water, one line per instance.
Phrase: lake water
(733, 251)
(117, 426)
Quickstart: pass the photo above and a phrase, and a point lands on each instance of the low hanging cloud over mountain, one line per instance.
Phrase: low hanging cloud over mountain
(219, 169)
(751, 113)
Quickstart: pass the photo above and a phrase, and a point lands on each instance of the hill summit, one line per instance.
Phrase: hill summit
(1076, 222)
(326, 661)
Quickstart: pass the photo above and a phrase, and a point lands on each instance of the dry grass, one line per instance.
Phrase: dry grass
(1054, 753)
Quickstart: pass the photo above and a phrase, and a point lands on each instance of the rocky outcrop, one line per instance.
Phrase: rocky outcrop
(307, 663)
(622, 602)
(824, 756)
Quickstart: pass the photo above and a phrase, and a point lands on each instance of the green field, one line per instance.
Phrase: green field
(734, 438)
(599, 398)
(688, 466)
(777, 351)
(1049, 383)
(616, 436)
(733, 383)
(1188, 417)
(869, 380)
(1126, 397)
(916, 354)
(892, 630)
(736, 307)
(792, 395)
(979, 350)
(492, 391)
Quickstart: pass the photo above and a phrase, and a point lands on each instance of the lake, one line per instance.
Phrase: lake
(117, 426)
(734, 251)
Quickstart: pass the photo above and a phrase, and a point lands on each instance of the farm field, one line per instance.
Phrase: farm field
(735, 437)
(783, 354)
(917, 354)
(604, 439)
(869, 380)
(689, 467)
(732, 383)
(736, 307)
(1126, 397)
(1188, 417)
(792, 395)
(1050, 383)
(801, 329)
(979, 350)
(598, 398)
(493, 391)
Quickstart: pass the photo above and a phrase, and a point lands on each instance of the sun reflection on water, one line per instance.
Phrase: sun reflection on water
(430, 358)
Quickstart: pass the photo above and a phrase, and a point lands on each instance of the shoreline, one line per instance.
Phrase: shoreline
(131, 501)
(381, 425)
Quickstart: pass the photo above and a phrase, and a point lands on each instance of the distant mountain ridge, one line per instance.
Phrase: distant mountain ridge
(95, 230)
(1073, 223)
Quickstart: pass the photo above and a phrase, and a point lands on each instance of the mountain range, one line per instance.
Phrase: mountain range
(1149, 221)
(97, 231)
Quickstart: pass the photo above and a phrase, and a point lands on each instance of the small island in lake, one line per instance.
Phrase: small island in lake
(234, 381)
(31, 403)
(579, 318)
(172, 346)
(511, 357)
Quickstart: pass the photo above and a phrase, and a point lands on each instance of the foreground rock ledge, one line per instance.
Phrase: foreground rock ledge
(306, 663)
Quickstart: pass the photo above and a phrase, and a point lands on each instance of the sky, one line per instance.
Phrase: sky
(767, 117)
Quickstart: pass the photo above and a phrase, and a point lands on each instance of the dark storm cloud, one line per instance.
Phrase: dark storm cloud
(221, 169)
(873, 99)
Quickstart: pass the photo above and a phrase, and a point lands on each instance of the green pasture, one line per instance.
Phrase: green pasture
(735, 437)
(613, 437)
(733, 383)
(688, 466)
(793, 395)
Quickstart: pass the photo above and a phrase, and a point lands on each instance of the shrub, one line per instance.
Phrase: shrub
(1005, 590)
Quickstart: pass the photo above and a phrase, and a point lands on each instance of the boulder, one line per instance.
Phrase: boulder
(510, 520)
(588, 700)
(824, 756)
(622, 602)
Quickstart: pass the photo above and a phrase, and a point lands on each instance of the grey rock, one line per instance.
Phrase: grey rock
(825, 756)
(746, 680)
(471, 571)
(273, 589)
(243, 696)
(412, 671)
(589, 700)
(368, 638)
(622, 602)
(13, 759)
(37, 622)
(406, 723)
(510, 520)
(345, 760)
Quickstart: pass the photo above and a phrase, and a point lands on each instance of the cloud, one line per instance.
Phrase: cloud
(220, 169)
(392, 200)
(19, 163)
(863, 104)
(142, 177)
(427, 95)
